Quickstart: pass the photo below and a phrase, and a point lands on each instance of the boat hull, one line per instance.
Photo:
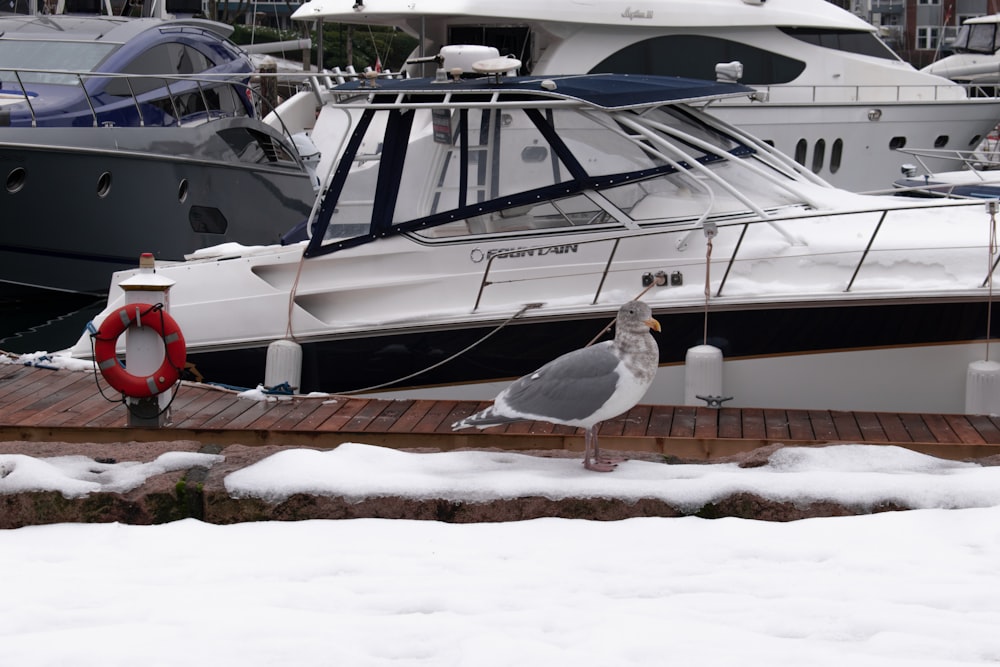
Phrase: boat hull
(81, 203)
(851, 145)
(861, 356)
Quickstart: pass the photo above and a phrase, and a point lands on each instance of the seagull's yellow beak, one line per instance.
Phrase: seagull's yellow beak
(652, 324)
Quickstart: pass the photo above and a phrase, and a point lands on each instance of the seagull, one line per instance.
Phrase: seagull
(584, 387)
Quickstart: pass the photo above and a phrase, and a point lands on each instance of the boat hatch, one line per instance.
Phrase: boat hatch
(448, 162)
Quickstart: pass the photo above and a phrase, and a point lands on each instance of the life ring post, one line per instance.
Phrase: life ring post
(155, 351)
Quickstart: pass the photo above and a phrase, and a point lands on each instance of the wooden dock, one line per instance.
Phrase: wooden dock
(39, 404)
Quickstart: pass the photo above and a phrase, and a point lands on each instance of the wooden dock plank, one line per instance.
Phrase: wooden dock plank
(28, 388)
(42, 399)
(336, 421)
(941, 429)
(73, 413)
(14, 379)
(706, 423)
(916, 427)
(822, 426)
(661, 418)
(527, 428)
(435, 415)
(730, 423)
(59, 397)
(846, 425)
(389, 416)
(417, 410)
(279, 409)
(459, 411)
(986, 428)
(302, 408)
(776, 425)
(107, 415)
(799, 425)
(612, 427)
(753, 424)
(225, 416)
(198, 412)
(871, 428)
(683, 422)
(892, 425)
(636, 421)
(363, 418)
(327, 409)
(965, 431)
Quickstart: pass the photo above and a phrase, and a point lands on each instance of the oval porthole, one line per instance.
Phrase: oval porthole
(16, 179)
(975, 141)
(819, 154)
(897, 143)
(941, 141)
(182, 191)
(800, 151)
(534, 154)
(836, 154)
(104, 185)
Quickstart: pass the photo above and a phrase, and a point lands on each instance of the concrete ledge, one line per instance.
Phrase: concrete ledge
(200, 493)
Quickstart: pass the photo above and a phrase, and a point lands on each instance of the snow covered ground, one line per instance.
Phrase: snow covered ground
(915, 588)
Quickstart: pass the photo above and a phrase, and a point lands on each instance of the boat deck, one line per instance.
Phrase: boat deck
(39, 404)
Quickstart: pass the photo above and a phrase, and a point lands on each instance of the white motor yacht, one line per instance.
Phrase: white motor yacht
(474, 228)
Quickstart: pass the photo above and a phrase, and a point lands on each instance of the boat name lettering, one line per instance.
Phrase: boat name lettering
(637, 14)
(478, 255)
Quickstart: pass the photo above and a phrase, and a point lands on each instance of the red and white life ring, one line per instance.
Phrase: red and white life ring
(174, 354)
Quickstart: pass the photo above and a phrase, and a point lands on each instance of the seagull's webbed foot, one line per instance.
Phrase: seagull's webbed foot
(611, 460)
(599, 466)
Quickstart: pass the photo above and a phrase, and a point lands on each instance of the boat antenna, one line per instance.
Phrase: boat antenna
(991, 207)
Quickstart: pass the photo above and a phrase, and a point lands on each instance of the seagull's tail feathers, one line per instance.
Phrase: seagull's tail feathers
(483, 419)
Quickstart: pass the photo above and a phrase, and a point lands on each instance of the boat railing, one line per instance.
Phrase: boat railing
(972, 161)
(850, 262)
(870, 93)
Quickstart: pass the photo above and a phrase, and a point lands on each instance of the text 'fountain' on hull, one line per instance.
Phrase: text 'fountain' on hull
(832, 94)
(473, 229)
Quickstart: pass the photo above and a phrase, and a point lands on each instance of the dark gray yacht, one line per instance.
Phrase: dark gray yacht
(127, 135)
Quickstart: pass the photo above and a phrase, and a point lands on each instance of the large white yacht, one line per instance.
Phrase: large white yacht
(832, 94)
(474, 228)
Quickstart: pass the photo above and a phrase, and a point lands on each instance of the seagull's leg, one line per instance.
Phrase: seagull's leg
(590, 442)
(607, 460)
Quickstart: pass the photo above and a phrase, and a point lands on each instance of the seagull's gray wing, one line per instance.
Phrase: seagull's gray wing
(571, 387)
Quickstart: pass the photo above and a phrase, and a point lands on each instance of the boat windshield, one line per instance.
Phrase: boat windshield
(36, 54)
(977, 38)
(456, 171)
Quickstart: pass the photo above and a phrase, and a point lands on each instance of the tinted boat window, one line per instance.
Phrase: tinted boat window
(161, 59)
(851, 41)
(696, 56)
(40, 54)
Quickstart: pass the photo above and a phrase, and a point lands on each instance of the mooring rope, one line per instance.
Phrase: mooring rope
(510, 319)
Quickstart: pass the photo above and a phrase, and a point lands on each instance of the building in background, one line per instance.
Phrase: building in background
(918, 30)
